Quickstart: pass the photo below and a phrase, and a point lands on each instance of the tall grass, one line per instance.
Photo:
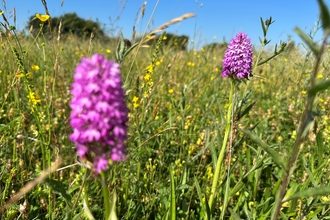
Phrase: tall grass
(278, 165)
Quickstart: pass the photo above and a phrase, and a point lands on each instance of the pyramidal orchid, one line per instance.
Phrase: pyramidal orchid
(98, 112)
(237, 62)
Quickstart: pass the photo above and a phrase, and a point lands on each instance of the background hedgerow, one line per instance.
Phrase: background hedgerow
(178, 104)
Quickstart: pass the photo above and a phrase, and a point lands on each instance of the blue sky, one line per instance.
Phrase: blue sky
(222, 19)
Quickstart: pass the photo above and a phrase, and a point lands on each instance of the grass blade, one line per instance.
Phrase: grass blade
(173, 203)
(315, 191)
(278, 159)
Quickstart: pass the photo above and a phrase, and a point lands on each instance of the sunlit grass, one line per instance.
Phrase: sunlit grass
(178, 105)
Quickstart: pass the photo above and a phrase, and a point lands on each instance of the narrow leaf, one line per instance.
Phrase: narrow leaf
(234, 215)
(325, 16)
(200, 195)
(311, 192)
(308, 41)
(263, 26)
(173, 203)
(278, 159)
(58, 187)
(319, 88)
(113, 215)
(246, 110)
(129, 50)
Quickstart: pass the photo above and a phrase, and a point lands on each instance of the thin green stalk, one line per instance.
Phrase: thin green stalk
(226, 197)
(106, 197)
(81, 189)
(303, 125)
(173, 203)
(223, 149)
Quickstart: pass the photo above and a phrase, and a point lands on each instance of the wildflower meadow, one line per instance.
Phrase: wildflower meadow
(147, 128)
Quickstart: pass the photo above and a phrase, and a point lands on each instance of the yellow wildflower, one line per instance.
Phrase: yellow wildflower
(150, 69)
(190, 64)
(1, 12)
(108, 51)
(42, 18)
(19, 75)
(147, 77)
(170, 91)
(136, 102)
(157, 63)
(325, 199)
(35, 67)
(33, 98)
(135, 99)
(29, 75)
(136, 105)
(164, 38)
(303, 92)
(319, 76)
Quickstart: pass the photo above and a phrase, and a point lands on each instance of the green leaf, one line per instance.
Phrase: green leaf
(319, 145)
(184, 186)
(120, 49)
(128, 50)
(291, 190)
(246, 110)
(278, 159)
(311, 192)
(200, 195)
(325, 16)
(308, 41)
(113, 215)
(233, 214)
(263, 27)
(173, 203)
(319, 88)
(57, 186)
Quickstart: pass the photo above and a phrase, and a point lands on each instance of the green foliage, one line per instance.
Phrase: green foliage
(172, 41)
(69, 23)
(176, 132)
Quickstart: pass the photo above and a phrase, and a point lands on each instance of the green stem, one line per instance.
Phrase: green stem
(106, 197)
(223, 149)
(303, 124)
(81, 189)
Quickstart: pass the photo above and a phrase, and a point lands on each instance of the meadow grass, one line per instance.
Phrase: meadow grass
(178, 104)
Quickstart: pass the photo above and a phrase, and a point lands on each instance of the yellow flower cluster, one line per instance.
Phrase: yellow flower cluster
(33, 98)
(178, 167)
(208, 174)
(190, 64)
(136, 102)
